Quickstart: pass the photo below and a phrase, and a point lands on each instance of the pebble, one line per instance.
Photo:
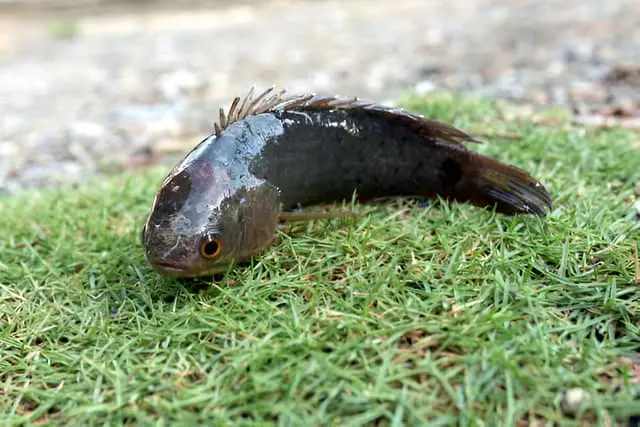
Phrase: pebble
(538, 96)
(176, 84)
(424, 87)
(85, 131)
(573, 399)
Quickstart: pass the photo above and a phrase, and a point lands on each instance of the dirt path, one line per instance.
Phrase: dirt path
(79, 91)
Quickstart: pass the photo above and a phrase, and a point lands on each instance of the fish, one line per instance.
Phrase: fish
(273, 155)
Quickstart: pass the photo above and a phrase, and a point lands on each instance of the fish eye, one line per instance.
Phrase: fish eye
(210, 247)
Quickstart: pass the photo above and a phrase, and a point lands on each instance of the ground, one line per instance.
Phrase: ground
(99, 86)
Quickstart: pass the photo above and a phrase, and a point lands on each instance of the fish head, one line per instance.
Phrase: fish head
(207, 216)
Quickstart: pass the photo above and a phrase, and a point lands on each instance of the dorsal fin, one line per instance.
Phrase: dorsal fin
(270, 100)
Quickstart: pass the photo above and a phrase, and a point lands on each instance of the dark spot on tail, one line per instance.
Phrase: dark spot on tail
(450, 172)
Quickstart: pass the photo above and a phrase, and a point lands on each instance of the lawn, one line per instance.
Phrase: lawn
(446, 314)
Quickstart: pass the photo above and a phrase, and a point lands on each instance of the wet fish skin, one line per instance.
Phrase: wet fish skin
(271, 154)
(211, 193)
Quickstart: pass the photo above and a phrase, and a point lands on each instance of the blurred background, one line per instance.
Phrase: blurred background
(91, 86)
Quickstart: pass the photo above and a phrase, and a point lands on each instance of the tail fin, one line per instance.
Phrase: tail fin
(511, 190)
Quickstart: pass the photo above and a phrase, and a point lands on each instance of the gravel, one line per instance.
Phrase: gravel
(81, 90)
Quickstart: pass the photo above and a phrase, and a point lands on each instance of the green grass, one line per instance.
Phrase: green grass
(449, 314)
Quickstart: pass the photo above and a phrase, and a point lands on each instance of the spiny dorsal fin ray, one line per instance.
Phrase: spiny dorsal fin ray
(269, 100)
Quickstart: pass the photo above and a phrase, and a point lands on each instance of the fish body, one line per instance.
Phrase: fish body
(271, 154)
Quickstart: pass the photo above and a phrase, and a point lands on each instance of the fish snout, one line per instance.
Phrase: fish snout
(169, 256)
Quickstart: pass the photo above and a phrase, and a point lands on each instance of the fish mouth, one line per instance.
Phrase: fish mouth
(169, 269)
(173, 270)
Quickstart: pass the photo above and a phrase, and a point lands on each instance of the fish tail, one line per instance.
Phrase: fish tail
(486, 182)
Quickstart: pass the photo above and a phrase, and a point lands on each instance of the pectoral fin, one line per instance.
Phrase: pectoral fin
(311, 215)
